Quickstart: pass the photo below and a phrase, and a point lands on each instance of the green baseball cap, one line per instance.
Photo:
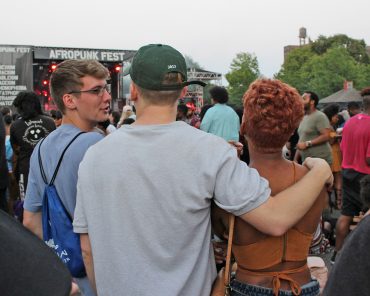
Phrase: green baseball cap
(152, 62)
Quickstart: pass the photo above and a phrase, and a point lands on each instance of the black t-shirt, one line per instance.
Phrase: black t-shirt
(350, 274)
(26, 134)
(27, 265)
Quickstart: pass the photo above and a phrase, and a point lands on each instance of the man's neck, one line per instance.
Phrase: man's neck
(262, 159)
(78, 122)
(155, 114)
(310, 111)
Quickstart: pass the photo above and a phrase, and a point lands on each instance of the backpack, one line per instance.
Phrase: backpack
(57, 223)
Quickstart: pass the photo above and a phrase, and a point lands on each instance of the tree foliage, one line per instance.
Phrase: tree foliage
(325, 64)
(244, 70)
(191, 63)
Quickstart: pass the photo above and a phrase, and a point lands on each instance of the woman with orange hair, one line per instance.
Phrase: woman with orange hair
(269, 265)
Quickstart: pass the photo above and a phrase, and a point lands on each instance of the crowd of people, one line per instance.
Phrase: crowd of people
(150, 192)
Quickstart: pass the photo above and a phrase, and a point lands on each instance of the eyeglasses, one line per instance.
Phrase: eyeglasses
(99, 90)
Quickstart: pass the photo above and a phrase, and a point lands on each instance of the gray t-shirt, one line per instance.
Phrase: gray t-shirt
(309, 129)
(144, 195)
(66, 180)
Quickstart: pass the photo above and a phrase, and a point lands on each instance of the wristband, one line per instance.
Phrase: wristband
(308, 143)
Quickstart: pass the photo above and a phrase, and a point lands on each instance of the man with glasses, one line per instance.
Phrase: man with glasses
(79, 89)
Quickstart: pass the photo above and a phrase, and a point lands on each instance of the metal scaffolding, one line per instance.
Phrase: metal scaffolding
(195, 92)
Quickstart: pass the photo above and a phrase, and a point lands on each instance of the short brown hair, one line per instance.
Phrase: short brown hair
(163, 97)
(272, 111)
(67, 77)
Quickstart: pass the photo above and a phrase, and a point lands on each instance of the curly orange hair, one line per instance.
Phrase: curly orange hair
(272, 111)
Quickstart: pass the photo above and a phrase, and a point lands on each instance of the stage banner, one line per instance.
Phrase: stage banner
(16, 73)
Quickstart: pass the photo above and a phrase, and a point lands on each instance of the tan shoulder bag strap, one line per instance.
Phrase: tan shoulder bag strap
(228, 255)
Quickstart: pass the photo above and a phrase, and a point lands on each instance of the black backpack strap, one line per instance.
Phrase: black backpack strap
(40, 163)
(61, 157)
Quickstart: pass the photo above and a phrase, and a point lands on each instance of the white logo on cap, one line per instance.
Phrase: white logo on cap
(171, 66)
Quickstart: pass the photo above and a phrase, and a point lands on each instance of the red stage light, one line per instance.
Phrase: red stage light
(117, 68)
(45, 82)
(45, 93)
(53, 67)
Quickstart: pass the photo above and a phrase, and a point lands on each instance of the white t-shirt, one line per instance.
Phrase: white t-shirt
(144, 196)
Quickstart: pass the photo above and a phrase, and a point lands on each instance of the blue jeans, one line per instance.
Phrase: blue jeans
(243, 289)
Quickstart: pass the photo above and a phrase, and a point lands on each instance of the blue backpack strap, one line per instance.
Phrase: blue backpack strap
(43, 175)
(40, 163)
(61, 158)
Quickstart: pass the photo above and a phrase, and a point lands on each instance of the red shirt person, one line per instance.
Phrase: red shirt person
(355, 148)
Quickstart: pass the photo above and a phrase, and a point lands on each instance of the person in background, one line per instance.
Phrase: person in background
(331, 112)
(182, 111)
(191, 117)
(26, 132)
(13, 188)
(3, 167)
(313, 131)
(355, 146)
(114, 117)
(353, 108)
(221, 120)
(127, 112)
(350, 274)
(57, 117)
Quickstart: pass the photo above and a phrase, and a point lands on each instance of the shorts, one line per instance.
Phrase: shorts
(243, 289)
(352, 203)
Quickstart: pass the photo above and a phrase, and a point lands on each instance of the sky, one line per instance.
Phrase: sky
(211, 32)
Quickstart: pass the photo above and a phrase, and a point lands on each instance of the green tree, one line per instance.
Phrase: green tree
(323, 65)
(191, 63)
(243, 71)
(291, 71)
(326, 73)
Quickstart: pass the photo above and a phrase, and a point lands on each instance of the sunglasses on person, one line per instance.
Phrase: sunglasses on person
(99, 90)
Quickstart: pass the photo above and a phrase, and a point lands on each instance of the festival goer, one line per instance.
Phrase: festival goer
(26, 132)
(350, 274)
(79, 88)
(355, 148)
(150, 234)
(221, 120)
(114, 117)
(191, 117)
(13, 188)
(3, 168)
(182, 110)
(313, 131)
(127, 112)
(272, 265)
(331, 112)
(353, 108)
(57, 117)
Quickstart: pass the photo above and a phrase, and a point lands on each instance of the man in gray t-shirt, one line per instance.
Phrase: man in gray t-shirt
(313, 131)
(144, 192)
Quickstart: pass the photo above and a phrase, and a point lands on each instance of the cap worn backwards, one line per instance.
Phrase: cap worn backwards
(152, 62)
